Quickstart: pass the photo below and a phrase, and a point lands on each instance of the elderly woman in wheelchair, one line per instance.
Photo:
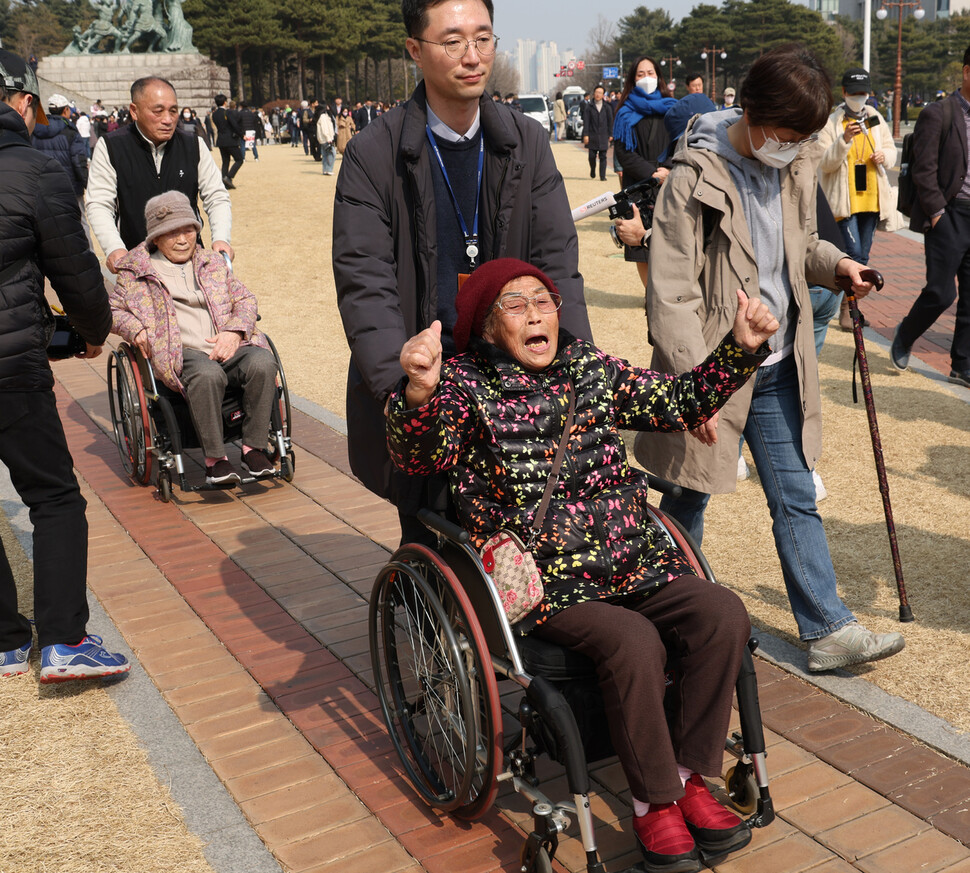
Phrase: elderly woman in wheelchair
(183, 309)
(614, 588)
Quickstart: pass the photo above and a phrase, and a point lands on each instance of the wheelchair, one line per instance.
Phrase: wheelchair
(440, 644)
(152, 425)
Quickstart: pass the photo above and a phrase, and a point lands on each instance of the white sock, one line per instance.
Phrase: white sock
(641, 807)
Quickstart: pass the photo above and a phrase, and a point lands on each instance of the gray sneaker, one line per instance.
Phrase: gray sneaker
(851, 644)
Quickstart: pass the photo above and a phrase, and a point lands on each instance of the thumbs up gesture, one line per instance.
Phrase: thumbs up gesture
(421, 362)
(753, 323)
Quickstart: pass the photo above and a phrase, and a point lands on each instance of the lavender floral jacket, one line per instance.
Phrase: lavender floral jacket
(139, 300)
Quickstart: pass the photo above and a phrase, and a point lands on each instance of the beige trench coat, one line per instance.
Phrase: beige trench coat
(833, 169)
(692, 301)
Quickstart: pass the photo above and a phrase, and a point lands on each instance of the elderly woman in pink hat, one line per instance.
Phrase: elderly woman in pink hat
(187, 313)
(492, 417)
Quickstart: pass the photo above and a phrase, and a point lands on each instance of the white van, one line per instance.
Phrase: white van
(537, 106)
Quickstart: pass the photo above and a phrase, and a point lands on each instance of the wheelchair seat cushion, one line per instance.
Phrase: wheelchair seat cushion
(556, 663)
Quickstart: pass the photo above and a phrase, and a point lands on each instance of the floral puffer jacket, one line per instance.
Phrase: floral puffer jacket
(495, 428)
(139, 300)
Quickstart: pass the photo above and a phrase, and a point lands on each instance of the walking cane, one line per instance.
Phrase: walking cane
(845, 283)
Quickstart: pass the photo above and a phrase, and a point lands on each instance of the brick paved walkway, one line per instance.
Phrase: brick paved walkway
(248, 612)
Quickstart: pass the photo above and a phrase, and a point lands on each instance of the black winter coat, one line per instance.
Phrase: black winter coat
(384, 252)
(40, 235)
(598, 126)
(61, 141)
(642, 162)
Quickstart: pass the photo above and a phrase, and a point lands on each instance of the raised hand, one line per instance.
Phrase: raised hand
(753, 323)
(421, 362)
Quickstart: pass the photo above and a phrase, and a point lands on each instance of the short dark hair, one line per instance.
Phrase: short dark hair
(691, 76)
(415, 14)
(221, 99)
(966, 57)
(787, 87)
(139, 86)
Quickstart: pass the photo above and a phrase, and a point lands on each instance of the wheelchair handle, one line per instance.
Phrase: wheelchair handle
(868, 275)
(439, 524)
(664, 486)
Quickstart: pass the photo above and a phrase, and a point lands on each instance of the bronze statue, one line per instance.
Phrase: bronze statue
(137, 20)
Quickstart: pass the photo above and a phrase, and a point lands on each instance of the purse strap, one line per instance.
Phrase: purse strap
(556, 466)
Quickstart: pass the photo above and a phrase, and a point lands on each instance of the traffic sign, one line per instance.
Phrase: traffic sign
(611, 72)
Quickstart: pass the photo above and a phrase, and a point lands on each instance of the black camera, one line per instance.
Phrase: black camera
(66, 342)
(644, 195)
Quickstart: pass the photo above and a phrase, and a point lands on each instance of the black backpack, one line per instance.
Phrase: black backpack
(907, 190)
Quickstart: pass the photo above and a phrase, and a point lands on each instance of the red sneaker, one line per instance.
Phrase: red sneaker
(716, 830)
(665, 842)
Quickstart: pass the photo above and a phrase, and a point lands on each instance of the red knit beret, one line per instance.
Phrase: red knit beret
(481, 290)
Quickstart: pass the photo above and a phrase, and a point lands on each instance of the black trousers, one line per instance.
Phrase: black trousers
(231, 154)
(34, 449)
(592, 162)
(706, 627)
(947, 252)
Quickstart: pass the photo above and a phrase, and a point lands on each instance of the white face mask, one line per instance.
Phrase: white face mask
(773, 153)
(855, 102)
(648, 84)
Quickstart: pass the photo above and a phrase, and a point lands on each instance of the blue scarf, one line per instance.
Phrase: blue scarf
(636, 106)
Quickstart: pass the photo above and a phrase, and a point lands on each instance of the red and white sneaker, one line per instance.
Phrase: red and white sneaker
(665, 842)
(716, 830)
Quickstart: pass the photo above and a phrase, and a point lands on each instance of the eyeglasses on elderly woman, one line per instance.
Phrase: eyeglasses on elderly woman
(516, 303)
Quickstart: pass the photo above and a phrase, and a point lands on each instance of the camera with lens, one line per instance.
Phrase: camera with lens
(643, 194)
(65, 341)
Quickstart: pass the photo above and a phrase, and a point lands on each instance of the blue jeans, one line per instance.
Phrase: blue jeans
(857, 231)
(328, 156)
(825, 305)
(773, 433)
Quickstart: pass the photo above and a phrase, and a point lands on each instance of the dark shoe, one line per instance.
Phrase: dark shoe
(221, 473)
(665, 842)
(592, 174)
(257, 464)
(960, 378)
(228, 182)
(716, 830)
(898, 356)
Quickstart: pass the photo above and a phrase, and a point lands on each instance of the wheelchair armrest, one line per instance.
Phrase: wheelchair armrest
(664, 486)
(440, 524)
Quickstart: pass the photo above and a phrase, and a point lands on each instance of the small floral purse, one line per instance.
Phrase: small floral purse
(508, 560)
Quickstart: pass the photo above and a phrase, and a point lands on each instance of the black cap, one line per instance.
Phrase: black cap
(856, 81)
(679, 114)
(16, 75)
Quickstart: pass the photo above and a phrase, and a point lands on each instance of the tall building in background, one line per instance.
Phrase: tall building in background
(525, 63)
(538, 63)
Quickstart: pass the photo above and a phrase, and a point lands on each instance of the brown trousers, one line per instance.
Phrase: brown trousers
(706, 626)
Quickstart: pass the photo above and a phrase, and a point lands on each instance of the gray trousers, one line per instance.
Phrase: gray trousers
(254, 370)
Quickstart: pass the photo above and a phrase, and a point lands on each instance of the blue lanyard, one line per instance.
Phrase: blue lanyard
(471, 239)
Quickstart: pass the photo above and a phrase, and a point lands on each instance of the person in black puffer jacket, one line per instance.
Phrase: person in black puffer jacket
(60, 139)
(41, 235)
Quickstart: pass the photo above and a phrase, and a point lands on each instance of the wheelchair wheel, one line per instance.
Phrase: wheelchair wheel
(165, 486)
(286, 413)
(535, 861)
(437, 690)
(742, 788)
(129, 415)
(288, 466)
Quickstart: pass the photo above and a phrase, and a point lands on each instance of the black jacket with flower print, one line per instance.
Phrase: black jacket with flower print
(495, 428)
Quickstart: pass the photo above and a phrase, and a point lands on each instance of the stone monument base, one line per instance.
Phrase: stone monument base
(108, 77)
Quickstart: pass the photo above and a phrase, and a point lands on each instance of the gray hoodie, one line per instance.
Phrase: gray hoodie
(759, 189)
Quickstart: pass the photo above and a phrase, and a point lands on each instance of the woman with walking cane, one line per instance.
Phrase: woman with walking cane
(738, 211)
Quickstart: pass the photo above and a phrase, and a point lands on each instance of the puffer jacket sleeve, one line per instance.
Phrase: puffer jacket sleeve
(65, 257)
(123, 321)
(652, 401)
(242, 317)
(431, 438)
